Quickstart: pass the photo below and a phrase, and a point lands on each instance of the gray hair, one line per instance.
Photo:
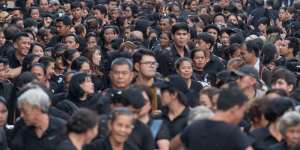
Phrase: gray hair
(199, 113)
(122, 61)
(288, 120)
(35, 97)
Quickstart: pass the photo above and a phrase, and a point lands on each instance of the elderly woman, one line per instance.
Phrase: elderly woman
(289, 127)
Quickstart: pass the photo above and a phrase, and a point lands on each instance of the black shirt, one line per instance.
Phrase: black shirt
(26, 138)
(104, 144)
(141, 136)
(279, 146)
(214, 135)
(263, 139)
(3, 139)
(12, 60)
(193, 94)
(167, 58)
(177, 124)
(66, 145)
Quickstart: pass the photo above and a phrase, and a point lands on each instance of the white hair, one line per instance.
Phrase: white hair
(35, 97)
(199, 113)
(288, 120)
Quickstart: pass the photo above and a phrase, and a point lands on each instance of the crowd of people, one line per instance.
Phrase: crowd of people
(146, 75)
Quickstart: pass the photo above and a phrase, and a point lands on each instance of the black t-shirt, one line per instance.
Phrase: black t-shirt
(263, 139)
(26, 138)
(104, 144)
(66, 145)
(176, 125)
(214, 135)
(279, 146)
(141, 136)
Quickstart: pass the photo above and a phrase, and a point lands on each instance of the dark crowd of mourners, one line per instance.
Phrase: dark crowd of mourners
(150, 75)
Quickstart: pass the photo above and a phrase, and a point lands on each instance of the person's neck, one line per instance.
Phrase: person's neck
(253, 61)
(188, 82)
(274, 131)
(83, 98)
(198, 69)
(115, 145)
(180, 50)
(249, 92)
(19, 57)
(289, 56)
(42, 124)
(175, 109)
(144, 80)
(77, 140)
(145, 119)
(222, 116)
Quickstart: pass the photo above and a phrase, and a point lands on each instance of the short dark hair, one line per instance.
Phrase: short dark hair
(281, 73)
(10, 31)
(65, 20)
(101, 8)
(294, 44)
(180, 26)
(252, 46)
(138, 55)
(3, 61)
(73, 35)
(277, 107)
(19, 35)
(180, 60)
(231, 97)
(75, 5)
(77, 63)
(82, 120)
(207, 38)
(46, 60)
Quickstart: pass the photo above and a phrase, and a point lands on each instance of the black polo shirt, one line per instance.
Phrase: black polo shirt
(214, 135)
(104, 144)
(263, 139)
(180, 122)
(279, 146)
(214, 65)
(12, 60)
(26, 138)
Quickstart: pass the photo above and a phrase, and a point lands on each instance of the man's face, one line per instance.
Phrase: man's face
(213, 33)
(98, 14)
(44, 5)
(27, 113)
(77, 13)
(225, 39)
(39, 73)
(50, 70)
(282, 84)
(17, 14)
(180, 37)
(164, 25)
(238, 113)
(70, 42)
(292, 135)
(23, 45)
(203, 45)
(284, 48)
(61, 28)
(112, 5)
(147, 66)
(3, 114)
(246, 56)
(121, 76)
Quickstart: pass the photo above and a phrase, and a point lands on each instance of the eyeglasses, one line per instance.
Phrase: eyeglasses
(152, 63)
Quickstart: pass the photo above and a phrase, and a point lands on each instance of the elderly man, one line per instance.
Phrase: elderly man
(289, 126)
(42, 131)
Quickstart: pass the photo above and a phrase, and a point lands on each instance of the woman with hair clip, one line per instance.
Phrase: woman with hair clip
(120, 125)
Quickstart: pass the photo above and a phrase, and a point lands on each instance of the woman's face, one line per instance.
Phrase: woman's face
(121, 128)
(92, 42)
(87, 86)
(199, 60)
(194, 6)
(164, 40)
(85, 67)
(127, 12)
(37, 50)
(96, 58)
(185, 70)
(91, 134)
(109, 35)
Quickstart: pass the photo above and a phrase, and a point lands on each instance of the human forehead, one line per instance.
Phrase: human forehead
(181, 31)
(120, 67)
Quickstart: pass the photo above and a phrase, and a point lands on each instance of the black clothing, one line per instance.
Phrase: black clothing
(66, 145)
(141, 136)
(263, 139)
(279, 146)
(104, 144)
(163, 131)
(5, 48)
(3, 139)
(26, 138)
(167, 58)
(180, 122)
(91, 102)
(193, 94)
(214, 135)
(12, 60)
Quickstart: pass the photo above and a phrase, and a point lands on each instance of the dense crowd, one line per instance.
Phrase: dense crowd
(145, 75)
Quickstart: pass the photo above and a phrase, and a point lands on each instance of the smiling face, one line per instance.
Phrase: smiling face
(185, 70)
(121, 128)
